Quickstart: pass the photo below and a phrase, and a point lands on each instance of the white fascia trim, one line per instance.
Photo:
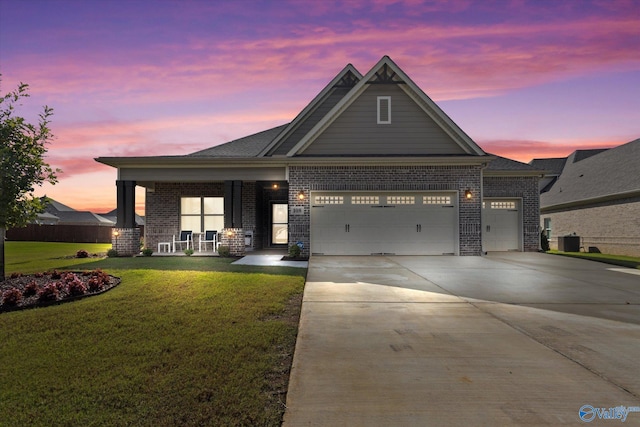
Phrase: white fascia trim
(299, 119)
(268, 162)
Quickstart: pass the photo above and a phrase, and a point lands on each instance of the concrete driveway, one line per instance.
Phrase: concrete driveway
(506, 339)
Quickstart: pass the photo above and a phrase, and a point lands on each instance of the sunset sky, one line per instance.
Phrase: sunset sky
(524, 79)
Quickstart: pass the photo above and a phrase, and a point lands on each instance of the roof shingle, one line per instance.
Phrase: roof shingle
(610, 172)
(249, 146)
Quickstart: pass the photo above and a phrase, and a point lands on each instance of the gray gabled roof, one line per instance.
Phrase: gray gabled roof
(54, 206)
(113, 216)
(504, 164)
(269, 152)
(315, 111)
(553, 166)
(608, 175)
(249, 146)
(70, 216)
(580, 155)
(421, 98)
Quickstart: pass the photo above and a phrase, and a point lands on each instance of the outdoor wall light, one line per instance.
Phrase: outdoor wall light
(229, 233)
(274, 186)
(467, 194)
(301, 195)
(116, 233)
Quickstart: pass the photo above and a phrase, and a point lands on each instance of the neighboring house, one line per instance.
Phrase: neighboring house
(60, 223)
(70, 216)
(596, 195)
(371, 166)
(113, 217)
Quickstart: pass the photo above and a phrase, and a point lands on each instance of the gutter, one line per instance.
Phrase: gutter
(171, 162)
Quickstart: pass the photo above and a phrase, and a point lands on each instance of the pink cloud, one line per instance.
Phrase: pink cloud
(455, 61)
(526, 150)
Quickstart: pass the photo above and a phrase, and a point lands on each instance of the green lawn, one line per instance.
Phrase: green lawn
(169, 346)
(31, 257)
(625, 261)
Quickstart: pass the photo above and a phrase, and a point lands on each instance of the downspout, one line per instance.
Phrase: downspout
(484, 166)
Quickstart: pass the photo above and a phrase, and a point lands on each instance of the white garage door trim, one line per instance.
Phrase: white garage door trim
(502, 224)
(389, 222)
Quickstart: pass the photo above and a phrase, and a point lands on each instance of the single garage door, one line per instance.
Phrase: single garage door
(384, 223)
(501, 221)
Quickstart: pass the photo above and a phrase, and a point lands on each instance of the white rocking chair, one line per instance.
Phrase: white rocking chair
(186, 236)
(210, 236)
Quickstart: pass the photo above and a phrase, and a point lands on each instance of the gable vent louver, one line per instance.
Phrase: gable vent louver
(384, 110)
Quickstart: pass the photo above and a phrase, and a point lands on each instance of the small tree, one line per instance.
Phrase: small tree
(22, 165)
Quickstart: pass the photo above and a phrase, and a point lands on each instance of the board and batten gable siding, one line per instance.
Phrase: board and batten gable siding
(316, 115)
(356, 132)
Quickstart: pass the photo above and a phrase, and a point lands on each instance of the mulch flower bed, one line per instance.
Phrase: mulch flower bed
(37, 290)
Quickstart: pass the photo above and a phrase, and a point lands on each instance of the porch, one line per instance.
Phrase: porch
(244, 215)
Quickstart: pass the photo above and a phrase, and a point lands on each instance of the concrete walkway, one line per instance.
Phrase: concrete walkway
(269, 258)
(507, 339)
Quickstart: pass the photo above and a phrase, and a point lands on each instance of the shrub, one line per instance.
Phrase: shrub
(76, 287)
(15, 275)
(95, 284)
(112, 253)
(30, 289)
(147, 252)
(69, 277)
(56, 275)
(224, 251)
(294, 251)
(49, 293)
(60, 286)
(39, 275)
(82, 254)
(11, 297)
(99, 279)
(544, 242)
(188, 252)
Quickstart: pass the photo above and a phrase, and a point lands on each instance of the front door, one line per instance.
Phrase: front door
(279, 224)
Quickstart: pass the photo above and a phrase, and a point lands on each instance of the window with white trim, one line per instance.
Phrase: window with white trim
(365, 200)
(199, 214)
(384, 110)
(547, 227)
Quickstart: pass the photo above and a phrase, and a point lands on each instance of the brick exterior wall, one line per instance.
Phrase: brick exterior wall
(127, 241)
(388, 178)
(525, 188)
(234, 238)
(612, 227)
(163, 203)
(249, 223)
(162, 208)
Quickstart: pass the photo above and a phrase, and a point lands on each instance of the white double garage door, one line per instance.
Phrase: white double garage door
(384, 223)
(368, 223)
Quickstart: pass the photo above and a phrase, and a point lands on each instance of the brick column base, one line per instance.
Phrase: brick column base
(126, 241)
(234, 238)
